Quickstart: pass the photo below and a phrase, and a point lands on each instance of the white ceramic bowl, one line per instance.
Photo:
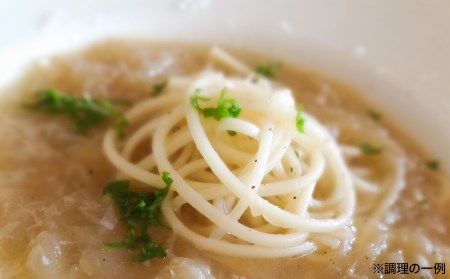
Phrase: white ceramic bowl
(396, 52)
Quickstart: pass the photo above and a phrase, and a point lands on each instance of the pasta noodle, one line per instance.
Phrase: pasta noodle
(243, 197)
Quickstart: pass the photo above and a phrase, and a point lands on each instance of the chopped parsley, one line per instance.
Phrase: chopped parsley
(224, 108)
(423, 203)
(269, 70)
(433, 165)
(300, 120)
(120, 124)
(374, 115)
(85, 112)
(139, 210)
(159, 87)
(231, 133)
(370, 149)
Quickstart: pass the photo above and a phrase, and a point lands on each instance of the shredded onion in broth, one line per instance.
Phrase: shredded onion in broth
(264, 201)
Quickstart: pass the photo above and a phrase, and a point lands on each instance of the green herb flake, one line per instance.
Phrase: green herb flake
(85, 112)
(225, 107)
(423, 203)
(376, 116)
(297, 154)
(139, 210)
(370, 149)
(269, 70)
(231, 133)
(300, 120)
(433, 165)
(120, 125)
(159, 87)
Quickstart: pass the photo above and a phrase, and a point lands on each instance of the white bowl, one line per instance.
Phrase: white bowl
(396, 52)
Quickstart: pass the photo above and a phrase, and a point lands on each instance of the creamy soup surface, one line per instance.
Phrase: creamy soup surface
(55, 219)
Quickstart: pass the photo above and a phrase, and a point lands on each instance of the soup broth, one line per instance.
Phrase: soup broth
(55, 218)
